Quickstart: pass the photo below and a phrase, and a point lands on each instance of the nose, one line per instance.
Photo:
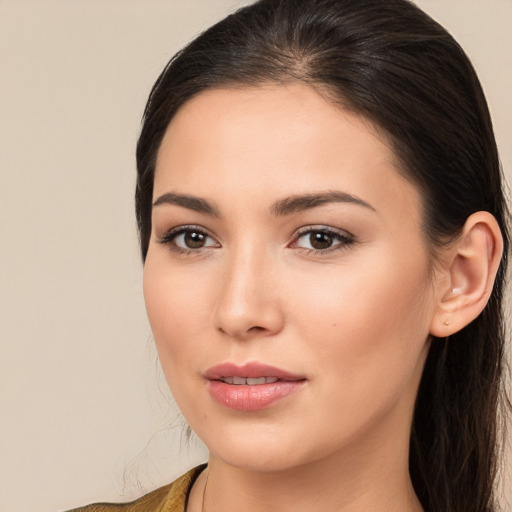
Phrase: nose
(248, 304)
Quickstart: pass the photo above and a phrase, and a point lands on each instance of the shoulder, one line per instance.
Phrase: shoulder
(169, 497)
(147, 502)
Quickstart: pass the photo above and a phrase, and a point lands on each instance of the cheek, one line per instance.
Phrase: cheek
(176, 314)
(177, 317)
(366, 323)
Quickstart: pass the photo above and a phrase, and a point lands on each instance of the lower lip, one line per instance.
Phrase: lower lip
(252, 398)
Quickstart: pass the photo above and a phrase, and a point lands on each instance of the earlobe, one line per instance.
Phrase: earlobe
(468, 275)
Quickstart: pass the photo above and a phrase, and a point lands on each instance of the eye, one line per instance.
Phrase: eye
(187, 239)
(321, 239)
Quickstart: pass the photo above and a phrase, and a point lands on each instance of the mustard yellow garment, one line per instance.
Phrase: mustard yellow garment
(170, 498)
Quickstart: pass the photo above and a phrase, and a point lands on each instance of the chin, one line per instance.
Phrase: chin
(263, 452)
(261, 449)
(256, 460)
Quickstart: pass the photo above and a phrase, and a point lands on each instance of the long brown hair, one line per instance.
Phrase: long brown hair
(390, 62)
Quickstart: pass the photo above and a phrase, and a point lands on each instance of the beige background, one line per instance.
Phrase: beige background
(84, 413)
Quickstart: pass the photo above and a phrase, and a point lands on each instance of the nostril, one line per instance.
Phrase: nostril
(256, 328)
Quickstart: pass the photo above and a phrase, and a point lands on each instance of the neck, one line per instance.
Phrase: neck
(375, 479)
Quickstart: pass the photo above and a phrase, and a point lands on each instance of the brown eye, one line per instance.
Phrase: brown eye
(320, 240)
(188, 239)
(194, 240)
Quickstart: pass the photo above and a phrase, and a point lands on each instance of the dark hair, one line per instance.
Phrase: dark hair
(394, 65)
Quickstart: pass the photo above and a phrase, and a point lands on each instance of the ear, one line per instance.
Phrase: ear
(466, 277)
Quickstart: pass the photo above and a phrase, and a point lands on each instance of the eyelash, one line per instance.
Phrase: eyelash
(170, 236)
(343, 238)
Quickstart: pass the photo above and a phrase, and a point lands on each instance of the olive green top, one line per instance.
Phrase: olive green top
(170, 498)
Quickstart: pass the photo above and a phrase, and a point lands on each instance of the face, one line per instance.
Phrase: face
(287, 280)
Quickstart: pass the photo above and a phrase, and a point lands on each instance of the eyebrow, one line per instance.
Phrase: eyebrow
(307, 201)
(282, 207)
(191, 202)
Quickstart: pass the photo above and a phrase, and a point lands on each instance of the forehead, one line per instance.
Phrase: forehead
(276, 140)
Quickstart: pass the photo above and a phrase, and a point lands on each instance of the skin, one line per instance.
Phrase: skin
(354, 319)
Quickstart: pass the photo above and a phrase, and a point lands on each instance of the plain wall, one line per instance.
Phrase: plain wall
(85, 415)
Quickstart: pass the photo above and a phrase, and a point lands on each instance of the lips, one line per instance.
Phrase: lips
(248, 381)
(251, 387)
(253, 370)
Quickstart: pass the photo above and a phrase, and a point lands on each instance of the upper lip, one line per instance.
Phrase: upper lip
(252, 369)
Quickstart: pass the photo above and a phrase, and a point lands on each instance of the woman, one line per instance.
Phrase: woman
(324, 235)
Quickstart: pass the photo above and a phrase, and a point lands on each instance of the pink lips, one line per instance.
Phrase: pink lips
(263, 385)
